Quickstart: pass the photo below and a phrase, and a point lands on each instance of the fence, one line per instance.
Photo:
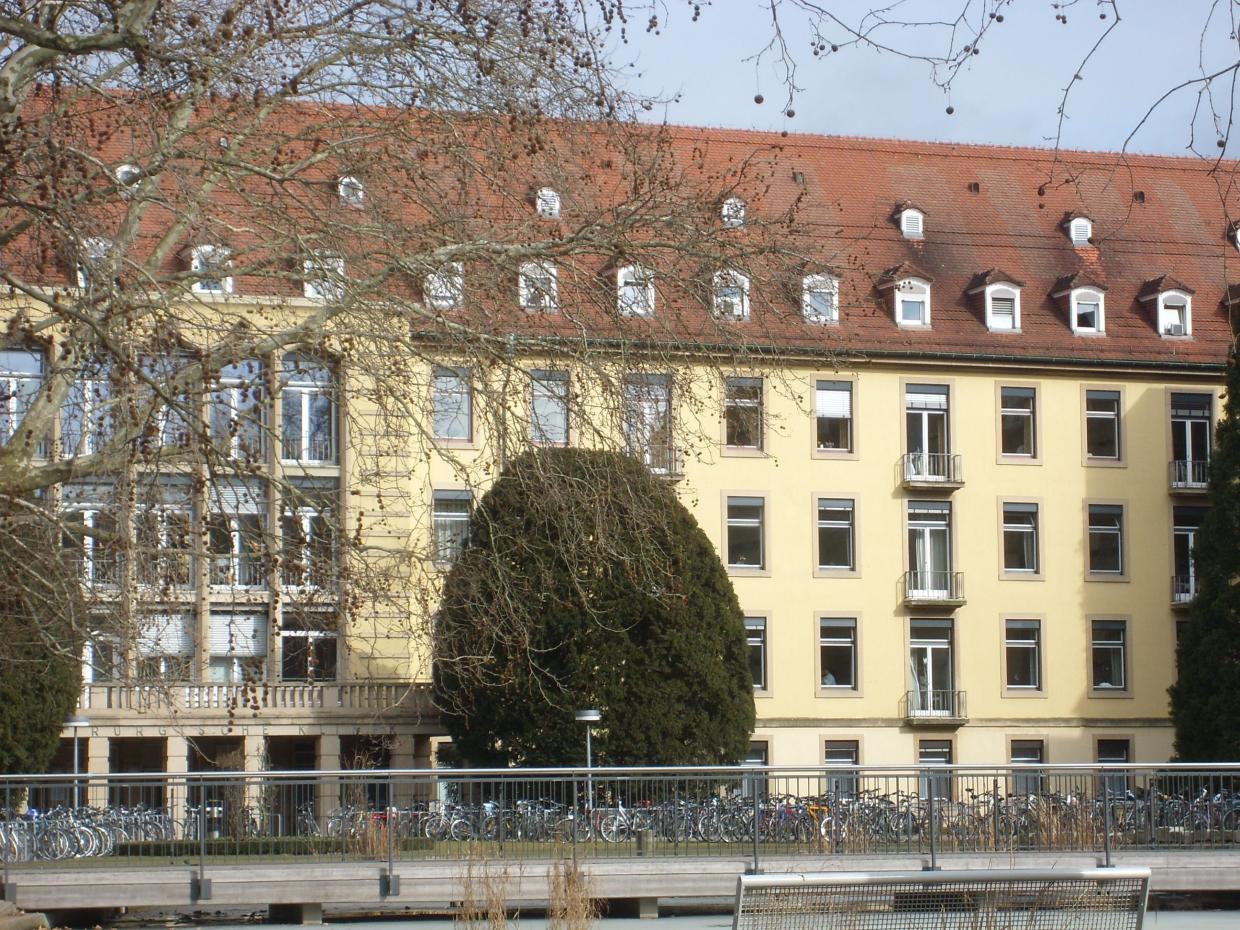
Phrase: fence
(749, 812)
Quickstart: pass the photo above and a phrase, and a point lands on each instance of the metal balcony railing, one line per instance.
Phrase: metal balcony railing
(934, 587)
(932, 468)
(923, 703)
(237, 571)
(1183, 589)
(1188, 475)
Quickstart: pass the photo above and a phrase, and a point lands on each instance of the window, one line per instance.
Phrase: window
(237, 406)
(165, 647)
(1017, 421)
(1080, 230)
(931, 667)
(1022, 647)
(450, 511)
(1028, 752)
(127, 176)
(1020, 537)
(1190, 440)
(1088, 311)
(746, 542)
(308, 641)
(837, 653)
(1002, 308)
(308, 535)
(836, 534)
(539, 287)
(238, 647)
(351, 191)
(1186, 521)
(926, 432)
(549, 407)
(930, 753)
(210, 265)
(92, 532)
(164, 557)
(236, 527)
(1102, 426)
(1108, 653)
(833, 416)
(21, 377)
(755, 639)
(445, 289)
(733, 213)
(547, 203)
(308, 411)
(820, 295)
(635, 291)
(742, 412)
(841, 752)
(1106, 539)
(1175, 313)
(1114, 752)
(92, 262)
(648, 421)
(323, 276)
(452, 404)
(929, 550)
(912, 224)
(104, 658)
(730, 295)
(912, 298)
(86, 418)
(758, 754)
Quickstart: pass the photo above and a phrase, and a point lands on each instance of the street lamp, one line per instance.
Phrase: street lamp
(77, 720)
(589, 717)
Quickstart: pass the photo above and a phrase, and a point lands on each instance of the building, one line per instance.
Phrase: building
(953, 457)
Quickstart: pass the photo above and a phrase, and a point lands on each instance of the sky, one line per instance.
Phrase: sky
(1009, 94)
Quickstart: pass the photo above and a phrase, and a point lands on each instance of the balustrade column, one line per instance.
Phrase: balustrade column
(254, 749)
(402, 757)
(327, 791)
(176, 764)
(98, 762)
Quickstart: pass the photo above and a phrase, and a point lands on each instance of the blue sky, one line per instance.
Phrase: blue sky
(1009, 94)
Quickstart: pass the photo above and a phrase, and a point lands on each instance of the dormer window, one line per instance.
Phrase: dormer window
(127, 177)
(1080, 230)
(445, 289)
(820, 295)
(351, 190)
(912, 223)
(210, 265)
(323, 276)
(1001, 296)
(1173, 305)
(1088, 310)
(912, 302)
(733, 213)
(547, 203)
(634, 291)
(730, 296)
(93, 259)
(1233, 234)
(539, 287)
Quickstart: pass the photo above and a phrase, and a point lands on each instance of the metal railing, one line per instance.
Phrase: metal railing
(932, 468)
(241, 571)
(752, 812)
(1183, 589)
(1188, 474)
(920, 703)
(933, 587)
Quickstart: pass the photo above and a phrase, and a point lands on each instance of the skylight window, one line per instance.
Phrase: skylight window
(1088, 311)
(730, 297)
(912, 302)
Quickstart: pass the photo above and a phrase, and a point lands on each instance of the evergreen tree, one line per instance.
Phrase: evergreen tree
(1205, 701)
(585, 583)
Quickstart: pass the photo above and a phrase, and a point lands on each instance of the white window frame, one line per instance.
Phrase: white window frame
(912, 223)
(648, 423)
(822, 285)
(1080, 230)
(1025, 531)
(1109, 624)
(441, 552)
(351, 191)
(1002, 290)
(464, 390)
(553, 387)
(165, 517)
(301, 389)
(1105, 530)
(312, 571)
(911, 288)
(746, 522)
(635, 293)
(723, 304)
(547, 203)
(733, 213)
(237, 559)
(18, 388)
(836, 641)
(756, 635)
(823, 503)
(127, 177)
(203, 260)
(1166, 323)
(91, 563)
(827, 399)
(1081, 295)
(539, 287)
(733, 401)
(1028, 417)
(1025, 645)
(323, 276)
(94, 255)
(228, 396)
(444, 289)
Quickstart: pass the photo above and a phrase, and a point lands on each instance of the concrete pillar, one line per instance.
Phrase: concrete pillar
(98, 762)
(327, 792)
(176, 764)
(294, 913)
(259, 795)
(403, 756)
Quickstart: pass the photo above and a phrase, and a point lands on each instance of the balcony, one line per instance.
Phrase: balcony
(931, 470)
(1191, 477)
(288, 702)
(923, 707)
(933, 589)
(1183, 590)
(238, 571)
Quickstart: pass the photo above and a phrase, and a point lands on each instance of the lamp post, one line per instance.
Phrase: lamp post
(75, 721)
(589, 717)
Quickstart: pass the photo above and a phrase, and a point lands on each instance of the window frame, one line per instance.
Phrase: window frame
(1008, 689)
(292, 382)
(1004, 289)
(351, 192)
(203, 258)
(841, 784)
(17, 387)
(1075, 298)
(851, 620)
(732, 212)
(638, 390)
(907, 228)
(1120, 460)
(747, 498)
(546, 376)
(464, 376)
(1092, 574)
(1035, 417)
(853, 385)
(760, 619)
(728, 278)
(93, 255)
(1191, 531)
(322, 276)
(729, 403)
(1123, 623)
(821, 283)
(1215, 403)
(443, 290)
(1037, 777)
(535, 297)
(815, 520)
(446, 493)
(1163, 311)
(635, 277)
(911, 286)
(1038, 572)
(548, 203)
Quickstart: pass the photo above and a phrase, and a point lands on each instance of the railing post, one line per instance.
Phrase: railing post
(995, 809)
(757, 821)
(8, 813)
(572, 820)
(1106, 822)
(934, 829)
(390, 824)
(202, 830)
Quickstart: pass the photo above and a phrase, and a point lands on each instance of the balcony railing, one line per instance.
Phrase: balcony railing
(263, 698)
(239, 572)
(1183, 590)
(932, 469)
(922, 705)
(1188, 475)
(939, 588)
